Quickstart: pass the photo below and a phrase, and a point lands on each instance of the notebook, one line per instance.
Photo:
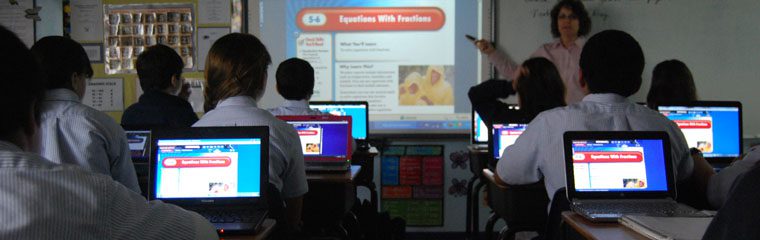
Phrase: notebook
(325, 141)
(504, 135)
(614, 173)
(359, 112)
(219, 172)
(713, 127)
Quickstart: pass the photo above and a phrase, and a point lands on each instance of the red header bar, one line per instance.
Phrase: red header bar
(611, 157)
(371, 19)
(307, 132)
(190, 162)
(693, 123)
(512, 133)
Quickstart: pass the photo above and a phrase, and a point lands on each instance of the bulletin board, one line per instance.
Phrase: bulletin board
(114, 32)
(412, 183)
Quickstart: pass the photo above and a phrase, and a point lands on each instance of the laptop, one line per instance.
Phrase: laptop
(610, 174)
(504, 135)
(219, 172)
(713, 127)
(325, 141)
(480, 132)
(359, 112)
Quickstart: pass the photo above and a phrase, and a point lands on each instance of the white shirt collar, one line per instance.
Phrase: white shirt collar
(605, 98)
(61, 94)
(7, 146)
(296, 103)
(238, 101)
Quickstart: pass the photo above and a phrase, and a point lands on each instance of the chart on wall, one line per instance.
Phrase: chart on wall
(412, 183)
(129, 29)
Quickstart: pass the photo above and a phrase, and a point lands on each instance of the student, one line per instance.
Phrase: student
(72, 132)
(295, 83)
(720, 183)
(570, 22)
(164, 99)
(236, 70)
(671, 82)
(611, 64)
(538, 85)
(44, 200)
(738, 218)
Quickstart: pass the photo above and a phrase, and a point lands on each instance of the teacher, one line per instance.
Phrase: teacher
(570, 23)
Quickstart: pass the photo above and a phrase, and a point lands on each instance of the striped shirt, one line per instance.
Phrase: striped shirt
(74, 133)
(286, 166)
(294, 108)
(44, 200)
(538, 152)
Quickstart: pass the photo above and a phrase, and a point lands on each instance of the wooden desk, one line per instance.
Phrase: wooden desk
(263, 232)
(335, 177)
(591, 230)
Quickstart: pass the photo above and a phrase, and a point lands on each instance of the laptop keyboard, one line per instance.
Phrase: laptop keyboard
(227, 216)
(650, 208)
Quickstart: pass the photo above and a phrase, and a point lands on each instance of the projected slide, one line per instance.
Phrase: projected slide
(399, 56)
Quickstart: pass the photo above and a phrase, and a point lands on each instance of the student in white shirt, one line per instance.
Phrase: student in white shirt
(295, 83)
(45, 200)
(236, 70)
(72, 132)
(611, 66)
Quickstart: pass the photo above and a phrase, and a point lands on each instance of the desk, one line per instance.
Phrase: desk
(591, 230)
(262, 233)
(478, 161)
(329, 201)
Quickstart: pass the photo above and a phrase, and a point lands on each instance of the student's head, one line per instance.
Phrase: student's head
(570, 17)
(612, 62)
(539, 87)
(671, 82)
(21, 88)
(160, 69)
(236, 65)
(295, 79)
(63, 62)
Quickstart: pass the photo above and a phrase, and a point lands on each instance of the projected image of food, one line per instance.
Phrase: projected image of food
(432, 88)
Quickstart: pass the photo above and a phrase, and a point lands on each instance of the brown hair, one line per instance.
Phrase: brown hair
(236, 65)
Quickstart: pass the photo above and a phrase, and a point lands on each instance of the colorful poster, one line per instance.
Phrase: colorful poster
(412, 184)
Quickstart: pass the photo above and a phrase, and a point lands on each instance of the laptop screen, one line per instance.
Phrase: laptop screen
(208, 168)
(479, 129)
(322, 138)
(138, 144)
(357, 110)
(715, 130)
(504, 135)
(609, 165)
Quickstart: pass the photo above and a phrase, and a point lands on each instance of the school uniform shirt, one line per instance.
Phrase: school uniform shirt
(538, 152)
(294, 108)
(720, 184)
(74, 133)
(156, 108)
(44, 200)
(286, 164)
(565, 59)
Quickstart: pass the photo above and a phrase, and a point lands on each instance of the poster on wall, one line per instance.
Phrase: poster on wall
(104, 94)
(129, 28)
(412, 184)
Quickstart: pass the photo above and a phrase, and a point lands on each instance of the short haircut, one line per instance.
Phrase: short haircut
(295, 79)
(58, 58)
(671, 82)
(236, 65)
(21, 86)
(584, 21)
(156, 66)
(541, 89)
(612, 62)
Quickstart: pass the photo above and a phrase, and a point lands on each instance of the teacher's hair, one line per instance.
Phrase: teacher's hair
(578, 9)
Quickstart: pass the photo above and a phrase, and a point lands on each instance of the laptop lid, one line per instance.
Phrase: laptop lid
(618, 165)
(504, 135)
(714, 127)
(139, 144)
(358, 110)
(479, 133)
(210, 166)
(324, 138)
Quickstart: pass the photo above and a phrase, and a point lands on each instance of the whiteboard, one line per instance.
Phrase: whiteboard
(719, 40)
